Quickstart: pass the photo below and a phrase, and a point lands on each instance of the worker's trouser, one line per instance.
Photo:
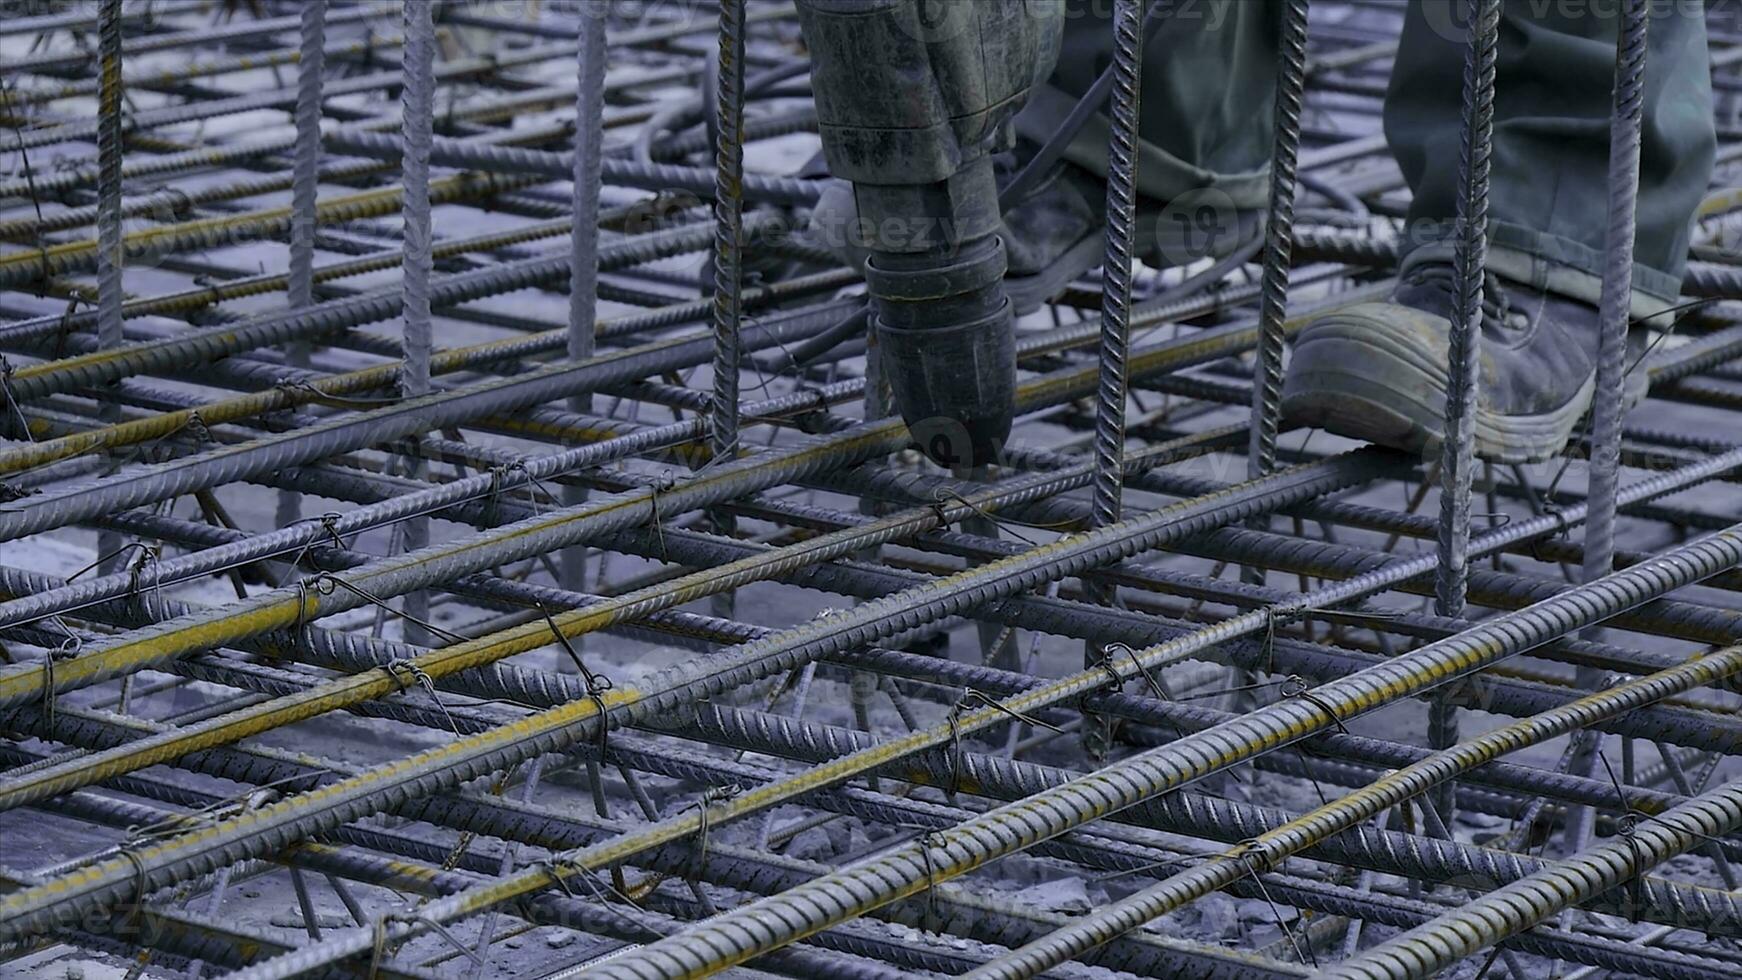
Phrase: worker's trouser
(1207, 90)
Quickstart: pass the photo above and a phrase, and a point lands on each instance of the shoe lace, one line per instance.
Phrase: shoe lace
(1497, 306)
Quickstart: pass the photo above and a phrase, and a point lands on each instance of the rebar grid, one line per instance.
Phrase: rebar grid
(329, 647)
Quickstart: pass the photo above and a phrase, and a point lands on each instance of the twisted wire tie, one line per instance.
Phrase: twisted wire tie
(330, 524)
(968, 698)
(1256, 864)
(399, 668)
(941, 513)
(1267, 644)
(1104, 663)
(380, 944)
(661, 484)
(326, 583)
(1295, 686)
(65, 327)
(148, 555)
(550, 867)
(1627, 828)
(714, 794)
(6, 372)
(596, 684)
(532, 483)
(213, 290)
(299, 628)
(817, 395)
(140, 881)
(68, 649)
(1562, 525)
(118, 552)
(819, 402)
(289, 385)
(1149, 679)
(604, 890)
(1008, 524)
(204, 817)
(498, 477)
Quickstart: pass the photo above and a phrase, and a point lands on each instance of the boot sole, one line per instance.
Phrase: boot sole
(1332, 385)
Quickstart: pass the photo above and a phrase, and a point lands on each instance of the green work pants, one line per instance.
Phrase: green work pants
(1207, 92)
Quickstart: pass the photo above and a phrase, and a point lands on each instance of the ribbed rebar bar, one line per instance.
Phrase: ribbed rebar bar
(584, 239)
(109, 124)
(728, 228)
(172, 422)
(1517, 906)
(418, 119)
(1278, 237)
(305, 180)
(1122, 164)
(770, 923)
(1469, 261)
(110, 256)
(1464, 343)
(491, 648)
(1608, 404)
(304, 190)
(1268, 851)
(264, 828)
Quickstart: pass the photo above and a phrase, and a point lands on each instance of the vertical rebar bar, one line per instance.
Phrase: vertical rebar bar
(728, 256)
(1278, 240)
(1609, 404)
(1469, 264)
(418, 107)
(728, 228)
(1122, 159)
(109, 252)
(584, 242)
(305, 173)
(1469, 268)
(304, 188)
(1122, 153)
(1278, 256)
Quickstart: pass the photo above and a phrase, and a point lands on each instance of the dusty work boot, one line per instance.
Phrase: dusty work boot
(1379, 371)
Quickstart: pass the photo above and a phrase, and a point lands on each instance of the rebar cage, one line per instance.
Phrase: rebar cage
(357, 534)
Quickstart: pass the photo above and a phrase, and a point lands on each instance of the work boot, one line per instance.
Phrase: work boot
(1379, 371)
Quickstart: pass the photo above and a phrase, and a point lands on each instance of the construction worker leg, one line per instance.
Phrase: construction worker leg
(1551, 139)
(1208, 84)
